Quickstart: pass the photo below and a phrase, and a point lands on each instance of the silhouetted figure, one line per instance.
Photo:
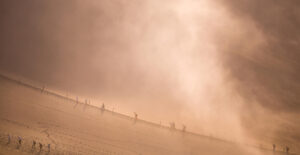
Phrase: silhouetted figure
(287, 149)
(76, 102)
(20, 140)
(33, 144)
(274, 147)
(41, 146)
(85, 104)
(8, 139)
(43, 89)
(135, 117)
(48, 147)
(102, 108)
(183, 128)
(172, 125)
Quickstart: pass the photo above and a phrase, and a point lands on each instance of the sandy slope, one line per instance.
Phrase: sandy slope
(73, 128)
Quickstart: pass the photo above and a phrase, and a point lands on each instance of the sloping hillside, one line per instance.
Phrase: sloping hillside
(76, 128)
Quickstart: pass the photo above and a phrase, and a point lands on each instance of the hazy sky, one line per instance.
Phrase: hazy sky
(217, 66)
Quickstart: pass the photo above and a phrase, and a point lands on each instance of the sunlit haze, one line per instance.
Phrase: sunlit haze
(224, 69)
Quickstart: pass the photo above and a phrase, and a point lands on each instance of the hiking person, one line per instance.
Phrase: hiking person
(102, 108)
(8, 139)
(43, 89)
(172, 125)
(48, 147)
(135, 117)
(33, 144)
(85, 104)
(287, 149)
(274, 147)
(41, 146)
(20, 140)
(183, 128)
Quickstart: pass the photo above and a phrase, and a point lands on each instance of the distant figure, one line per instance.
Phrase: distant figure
(41, 146)
(102, 108)
(8, 139)
(20, 140)
(48, 147)
(172, 125)
(33, 144)
(135, 117)
(287, 149)
(183, 128)
(85, 104)
(76, 102)
(274, 147)
(43, 89)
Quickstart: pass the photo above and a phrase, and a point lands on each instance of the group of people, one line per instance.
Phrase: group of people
(286, 149)
(172, 127)
(20, 141)
(40, 146)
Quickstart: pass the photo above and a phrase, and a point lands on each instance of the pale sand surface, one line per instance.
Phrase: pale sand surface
(73, 128)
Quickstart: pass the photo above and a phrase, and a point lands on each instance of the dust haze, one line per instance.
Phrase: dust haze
(228, 69)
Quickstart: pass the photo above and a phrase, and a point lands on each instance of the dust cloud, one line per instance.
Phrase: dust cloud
(225, 69)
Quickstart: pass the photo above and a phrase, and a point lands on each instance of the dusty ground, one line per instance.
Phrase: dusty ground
(73, 128)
